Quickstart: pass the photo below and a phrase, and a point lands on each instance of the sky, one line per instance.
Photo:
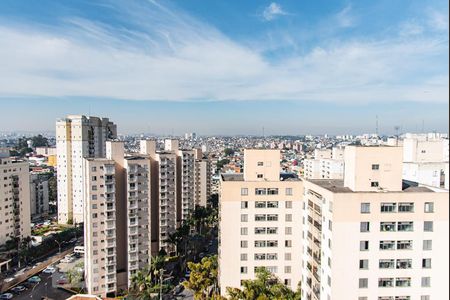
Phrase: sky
(226, 67)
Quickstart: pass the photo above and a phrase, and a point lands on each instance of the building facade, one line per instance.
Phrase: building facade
(39, 195)
(258, 227)
(77, 137)
(371, 236)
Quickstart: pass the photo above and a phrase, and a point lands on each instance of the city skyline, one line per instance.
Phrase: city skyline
(210, 65)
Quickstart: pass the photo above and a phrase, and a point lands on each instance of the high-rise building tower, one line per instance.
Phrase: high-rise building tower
(259, 222)
(77, 137)
(15, 198)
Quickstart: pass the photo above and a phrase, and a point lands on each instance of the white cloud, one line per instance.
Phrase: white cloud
(411, 28)
(345, 17)
(273, 11)
(174, 57)
(438, 21)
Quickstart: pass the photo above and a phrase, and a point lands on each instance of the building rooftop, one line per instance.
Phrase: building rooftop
(337, 186)
(240, 177)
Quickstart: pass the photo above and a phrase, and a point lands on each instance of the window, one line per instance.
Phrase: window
(363, 283)
(426, 263)
(260, 163)
(405, 207)
(244, 204)
(429, 207)
(260, 217)
(364, 245)
(260, 230)
(260, 191)
(364, 226)
(364, 264)
(386, 264)
(288, 218)
(288, 191)
(288, 256)
(424, 297)
(426, 281)
(243, 270)
(244, 244)
(386, 282)
(365, 208)
(244, 231)
(260, 204)
(387, 245)
(387, 226)
(272, 244)
(260, 244)
(403, 282)
(362, 298)
(375, 167)
(260, 256)
(374, 184)
(288, 230)
(259, 176)
(404, 264)
(272, 204)
(427, 245)
(272, 230)
(404, 245)
(405, 226)
(272, 191)
(388, 207)
(272, 217)
(272, 256)
(244, 257)
(94, 178)
(287, 269)
(428, 226)
(288, 244)
(244, 191)
(244, 218)
(288, 204)
(94, 169)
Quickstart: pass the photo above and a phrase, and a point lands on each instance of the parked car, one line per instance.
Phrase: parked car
(34, 279)
(62, 280)
(6, 296)
(49, 270)
(18, 289)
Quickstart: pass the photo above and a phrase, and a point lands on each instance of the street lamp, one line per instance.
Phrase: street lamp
(161, 281)
(59, 246)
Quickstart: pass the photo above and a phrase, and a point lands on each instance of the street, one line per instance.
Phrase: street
(44, 288)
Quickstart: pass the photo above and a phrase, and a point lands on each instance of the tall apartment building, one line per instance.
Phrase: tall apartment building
(202, 181)
(327, 164)
(371, 236)
(77, 137)
(259, 225)
(164, 192)
(186, 184)
(425, 159)
(39, 195)
(14, 198)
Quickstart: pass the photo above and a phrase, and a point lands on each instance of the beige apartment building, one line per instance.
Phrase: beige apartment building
(77, 137)
(39, 195)
(117, 219)
(371, 236)
(186, 183)
(14, 198)
(259, 222)
(202, 181)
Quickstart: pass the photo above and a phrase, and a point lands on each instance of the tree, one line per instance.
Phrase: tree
(266, 286)
(222, 162)
(228, 152)
(203, 278)
(141, 285)
(39, 141)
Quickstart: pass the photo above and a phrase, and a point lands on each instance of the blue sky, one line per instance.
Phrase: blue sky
(226, 67)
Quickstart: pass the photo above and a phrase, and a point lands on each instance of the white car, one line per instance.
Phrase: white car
(6, 296)
(49, 270)
(18, 289)
(9, 279)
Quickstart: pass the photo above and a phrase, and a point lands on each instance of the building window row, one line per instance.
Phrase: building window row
(393, 207)
(266, 191)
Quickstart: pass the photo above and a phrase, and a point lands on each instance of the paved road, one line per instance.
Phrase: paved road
(44, 288)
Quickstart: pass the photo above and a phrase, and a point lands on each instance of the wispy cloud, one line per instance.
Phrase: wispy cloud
(273, 11)
(345, 18)
(164, 54)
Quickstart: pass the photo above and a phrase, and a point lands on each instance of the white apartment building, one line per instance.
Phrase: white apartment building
(327, 164)
(373, 237)
(77, 137)
(425, 159)
(14, 198)
(39, 195)
(202, 181)
(259, 222)
(186, 183)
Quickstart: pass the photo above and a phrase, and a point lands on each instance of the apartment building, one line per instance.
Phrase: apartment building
(77, 137)
(122, 184)
(185, 183)
(425, 159)
(202, 181)
(327, 164)
(39, 195)
(14, 198)
(371, 236)
(259, 225)
(164, 192)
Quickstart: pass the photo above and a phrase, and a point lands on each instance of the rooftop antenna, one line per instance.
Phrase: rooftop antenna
(263, 132)
(423, 126)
